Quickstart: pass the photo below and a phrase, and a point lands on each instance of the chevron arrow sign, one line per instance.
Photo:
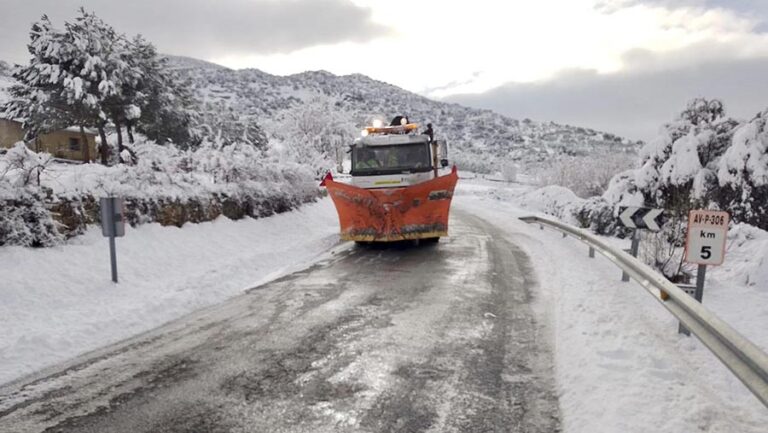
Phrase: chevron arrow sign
(641, 217)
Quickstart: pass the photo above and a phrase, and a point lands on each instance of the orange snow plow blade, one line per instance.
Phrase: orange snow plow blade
(394, 214)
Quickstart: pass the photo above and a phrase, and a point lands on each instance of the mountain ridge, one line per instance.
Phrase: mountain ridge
(480, 139)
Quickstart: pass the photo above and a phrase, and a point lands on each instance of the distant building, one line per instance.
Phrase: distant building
(65, 143)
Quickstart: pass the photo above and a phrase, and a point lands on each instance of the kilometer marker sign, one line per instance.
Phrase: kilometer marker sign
(707, 233)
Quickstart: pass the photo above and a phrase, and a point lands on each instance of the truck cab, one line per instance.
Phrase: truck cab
(392, 157)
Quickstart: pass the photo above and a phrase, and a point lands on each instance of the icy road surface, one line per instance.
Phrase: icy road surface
(440, 338)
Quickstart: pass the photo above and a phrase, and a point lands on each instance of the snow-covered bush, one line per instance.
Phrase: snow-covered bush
(553, 200)
(24, 165)
(24, 219)
(679, 168)
(599, 215)
(701, 160)
(167, 185)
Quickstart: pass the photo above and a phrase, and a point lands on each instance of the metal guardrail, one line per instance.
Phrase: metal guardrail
(747, 361)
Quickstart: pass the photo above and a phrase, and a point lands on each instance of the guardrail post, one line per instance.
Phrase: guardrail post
(633, 251)
(698, 294)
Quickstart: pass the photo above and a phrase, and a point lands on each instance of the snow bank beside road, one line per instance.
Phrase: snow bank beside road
(56, 303)
(620, 364)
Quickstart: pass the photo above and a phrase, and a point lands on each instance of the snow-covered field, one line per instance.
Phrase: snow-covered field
(620, 364)
(56, 303)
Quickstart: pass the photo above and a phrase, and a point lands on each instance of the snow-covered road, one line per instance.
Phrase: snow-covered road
(392, 351)
(440, 338)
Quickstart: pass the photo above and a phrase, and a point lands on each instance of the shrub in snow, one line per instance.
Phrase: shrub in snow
(25, 221)
(598, 215)
(587, 176)
(743, 174)
(553, 200)
(23, 164)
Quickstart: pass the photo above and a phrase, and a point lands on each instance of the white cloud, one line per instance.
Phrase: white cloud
(441, 48)
(204, 28)
(636, 101)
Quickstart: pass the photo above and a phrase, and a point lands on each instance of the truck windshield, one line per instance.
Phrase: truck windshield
(390, 159)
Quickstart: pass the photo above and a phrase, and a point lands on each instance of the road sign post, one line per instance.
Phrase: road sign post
(639, 218)
(704, 245)
(633, 250)
(112, 226)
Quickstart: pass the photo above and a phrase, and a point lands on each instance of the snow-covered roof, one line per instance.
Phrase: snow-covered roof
(390, 139)
(77, 129)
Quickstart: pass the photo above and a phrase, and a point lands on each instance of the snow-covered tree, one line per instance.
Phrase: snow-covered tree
(72, 77)
(679, 172)
(89, 75)
(42, 98)
(743, 173)
(679, 167)
(316, 133)
(163, 107)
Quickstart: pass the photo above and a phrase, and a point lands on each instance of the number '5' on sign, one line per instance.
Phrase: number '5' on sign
(707, 233)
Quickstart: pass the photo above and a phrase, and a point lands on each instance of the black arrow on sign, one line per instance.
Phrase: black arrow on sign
(641, 217)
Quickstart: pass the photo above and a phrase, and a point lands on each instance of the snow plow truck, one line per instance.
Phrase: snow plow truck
(400, 188)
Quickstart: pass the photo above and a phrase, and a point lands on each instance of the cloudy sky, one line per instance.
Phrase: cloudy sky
(623, 66)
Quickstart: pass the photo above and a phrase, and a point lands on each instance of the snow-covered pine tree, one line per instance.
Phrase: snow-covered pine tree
(743, 173)
(40, 98)
(107, 67)
(165, 104)
(83, 75)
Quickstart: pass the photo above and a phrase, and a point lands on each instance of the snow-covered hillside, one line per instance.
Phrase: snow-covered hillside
(480, 139)
(250, 100)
